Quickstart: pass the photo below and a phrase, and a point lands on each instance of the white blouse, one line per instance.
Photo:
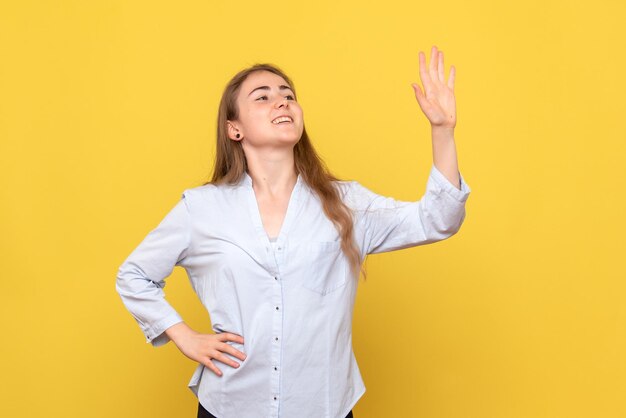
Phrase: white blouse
(291, 299)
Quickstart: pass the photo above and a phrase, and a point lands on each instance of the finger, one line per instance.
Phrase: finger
(209, 364)
(229, 336)
(224, 359)
(423, 71)
(234, 352)
(236, 338)
(451, 77)
(421, 98)
(440, 68)
(433, 63)
(227, 348)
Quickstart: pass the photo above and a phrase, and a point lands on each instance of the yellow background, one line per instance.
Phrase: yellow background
(108, 110)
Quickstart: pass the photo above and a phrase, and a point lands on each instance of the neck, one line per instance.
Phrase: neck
(272, 171)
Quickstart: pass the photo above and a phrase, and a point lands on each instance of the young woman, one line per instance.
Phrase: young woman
(273, 246)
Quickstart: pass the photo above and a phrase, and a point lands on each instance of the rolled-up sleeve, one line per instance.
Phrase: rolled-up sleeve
(141, 277)
(389, 224)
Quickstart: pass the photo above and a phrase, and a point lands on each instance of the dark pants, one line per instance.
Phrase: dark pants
(203, 413)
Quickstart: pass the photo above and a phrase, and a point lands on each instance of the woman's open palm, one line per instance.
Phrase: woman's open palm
(437, 100)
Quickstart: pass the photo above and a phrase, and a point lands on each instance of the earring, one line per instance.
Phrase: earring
(237, 135)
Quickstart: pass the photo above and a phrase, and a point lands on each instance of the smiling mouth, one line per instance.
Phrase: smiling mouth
(282, 119)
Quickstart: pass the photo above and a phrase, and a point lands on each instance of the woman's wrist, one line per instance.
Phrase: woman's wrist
(442, 133)
(178, 331)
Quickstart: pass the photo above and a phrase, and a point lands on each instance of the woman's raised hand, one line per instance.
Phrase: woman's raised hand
(437, 100)
(204, 348)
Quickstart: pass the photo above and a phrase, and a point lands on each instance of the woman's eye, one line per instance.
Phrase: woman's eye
(265, 97)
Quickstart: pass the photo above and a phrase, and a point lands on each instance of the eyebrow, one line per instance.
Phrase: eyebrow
(281, 87)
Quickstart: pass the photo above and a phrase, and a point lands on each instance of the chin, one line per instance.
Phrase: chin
(289, 139)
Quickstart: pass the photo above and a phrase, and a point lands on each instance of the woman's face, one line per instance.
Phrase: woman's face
(263, 97)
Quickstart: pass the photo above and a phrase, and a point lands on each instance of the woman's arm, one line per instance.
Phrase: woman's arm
(387, 224)
(142, 276)
(439, 105)
(140, 282)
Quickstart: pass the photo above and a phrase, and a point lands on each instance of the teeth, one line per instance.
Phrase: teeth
(282, 119)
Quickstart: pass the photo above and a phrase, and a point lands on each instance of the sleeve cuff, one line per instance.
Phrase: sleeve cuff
(442, 181)
(156, 334)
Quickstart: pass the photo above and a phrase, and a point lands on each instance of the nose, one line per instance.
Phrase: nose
(282, 102)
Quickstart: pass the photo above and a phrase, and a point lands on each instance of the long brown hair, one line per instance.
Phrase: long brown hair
(230, 164)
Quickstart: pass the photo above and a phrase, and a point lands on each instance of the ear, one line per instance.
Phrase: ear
(232, 131)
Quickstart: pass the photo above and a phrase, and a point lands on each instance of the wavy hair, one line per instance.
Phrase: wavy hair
(230, 165)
